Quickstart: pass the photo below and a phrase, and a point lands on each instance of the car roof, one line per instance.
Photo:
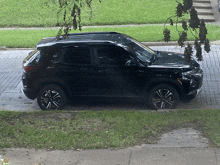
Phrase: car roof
(88, 37)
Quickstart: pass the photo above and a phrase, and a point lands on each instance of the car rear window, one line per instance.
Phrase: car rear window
(76, 55)
(33, 57)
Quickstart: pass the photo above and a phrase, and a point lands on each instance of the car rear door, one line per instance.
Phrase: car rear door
(76, 70)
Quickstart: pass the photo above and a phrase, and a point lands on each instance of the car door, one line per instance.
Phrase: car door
(76, 70)
(116, 76)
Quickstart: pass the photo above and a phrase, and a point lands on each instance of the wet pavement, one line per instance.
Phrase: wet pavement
(12, 99)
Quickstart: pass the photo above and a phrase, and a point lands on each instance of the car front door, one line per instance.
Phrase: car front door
(115, 75)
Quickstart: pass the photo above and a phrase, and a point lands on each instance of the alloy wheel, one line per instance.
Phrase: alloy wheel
(50, 99)
(163, 99)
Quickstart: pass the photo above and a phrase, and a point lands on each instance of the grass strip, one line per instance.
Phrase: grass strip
(34, 13)
(102, 129)
(29, 38)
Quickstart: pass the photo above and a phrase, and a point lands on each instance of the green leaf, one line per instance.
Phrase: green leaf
(184, 25)
(198, 50)
(187, 4)
(194, 21)
(207, 45)
(188, 53)
(202, 31)
(166, 33)
(171, 22)
(182, 38)
(74, 24)
(179, 10)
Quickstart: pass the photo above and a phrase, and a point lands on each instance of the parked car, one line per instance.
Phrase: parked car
(107, 65)
(219, 5)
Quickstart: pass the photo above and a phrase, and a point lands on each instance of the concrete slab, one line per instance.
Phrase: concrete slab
(14, 100)
(207, 18)
(204, 11)
(131, 156)
(201, 1)
(214, 4)
(2, 48)
(202, 5)
(217, 152)
(173, 156)
(184, 137)
(69, 157)
(23, 156)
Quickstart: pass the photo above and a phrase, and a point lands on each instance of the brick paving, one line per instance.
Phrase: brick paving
(210, 96)
(11, 68)
(11, 71)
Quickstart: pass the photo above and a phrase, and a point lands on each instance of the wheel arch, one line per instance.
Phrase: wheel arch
(172, 82)
(40, 84)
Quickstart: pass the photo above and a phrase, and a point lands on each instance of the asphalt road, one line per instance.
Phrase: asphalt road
(12, 99)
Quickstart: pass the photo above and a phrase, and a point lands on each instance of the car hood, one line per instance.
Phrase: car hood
(172, 60)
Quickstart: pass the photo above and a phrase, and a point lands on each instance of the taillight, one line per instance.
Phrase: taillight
(29, 68)
(31, 62)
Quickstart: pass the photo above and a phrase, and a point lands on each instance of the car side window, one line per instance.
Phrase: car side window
(112, 55)
(76, 55)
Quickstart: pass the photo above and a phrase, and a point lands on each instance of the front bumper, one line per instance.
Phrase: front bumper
(195, 92)
(199, 91)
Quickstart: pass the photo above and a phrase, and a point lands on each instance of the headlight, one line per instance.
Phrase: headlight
(199, 74)
(193, 83)
(188, 75)
(195, 73)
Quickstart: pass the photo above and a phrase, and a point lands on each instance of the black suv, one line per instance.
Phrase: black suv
(107, 65)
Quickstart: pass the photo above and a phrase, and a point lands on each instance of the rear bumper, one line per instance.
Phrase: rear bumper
(30, 93)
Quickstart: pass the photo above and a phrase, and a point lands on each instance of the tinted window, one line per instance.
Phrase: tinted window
(112, 55)
(33, 57)
(76, 55)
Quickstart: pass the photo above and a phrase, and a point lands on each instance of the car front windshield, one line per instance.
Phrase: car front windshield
(143, 53)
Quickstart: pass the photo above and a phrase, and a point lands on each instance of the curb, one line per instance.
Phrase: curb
(171, 43)
(3, 48)
(175, 43)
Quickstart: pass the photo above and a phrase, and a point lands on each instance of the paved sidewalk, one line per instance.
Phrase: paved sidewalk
(130, 156)
(185, 146)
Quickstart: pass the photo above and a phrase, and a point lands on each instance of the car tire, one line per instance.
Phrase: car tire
(163, 96)
(51, 97)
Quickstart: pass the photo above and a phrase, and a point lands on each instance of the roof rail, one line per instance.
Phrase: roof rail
(86, 33)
